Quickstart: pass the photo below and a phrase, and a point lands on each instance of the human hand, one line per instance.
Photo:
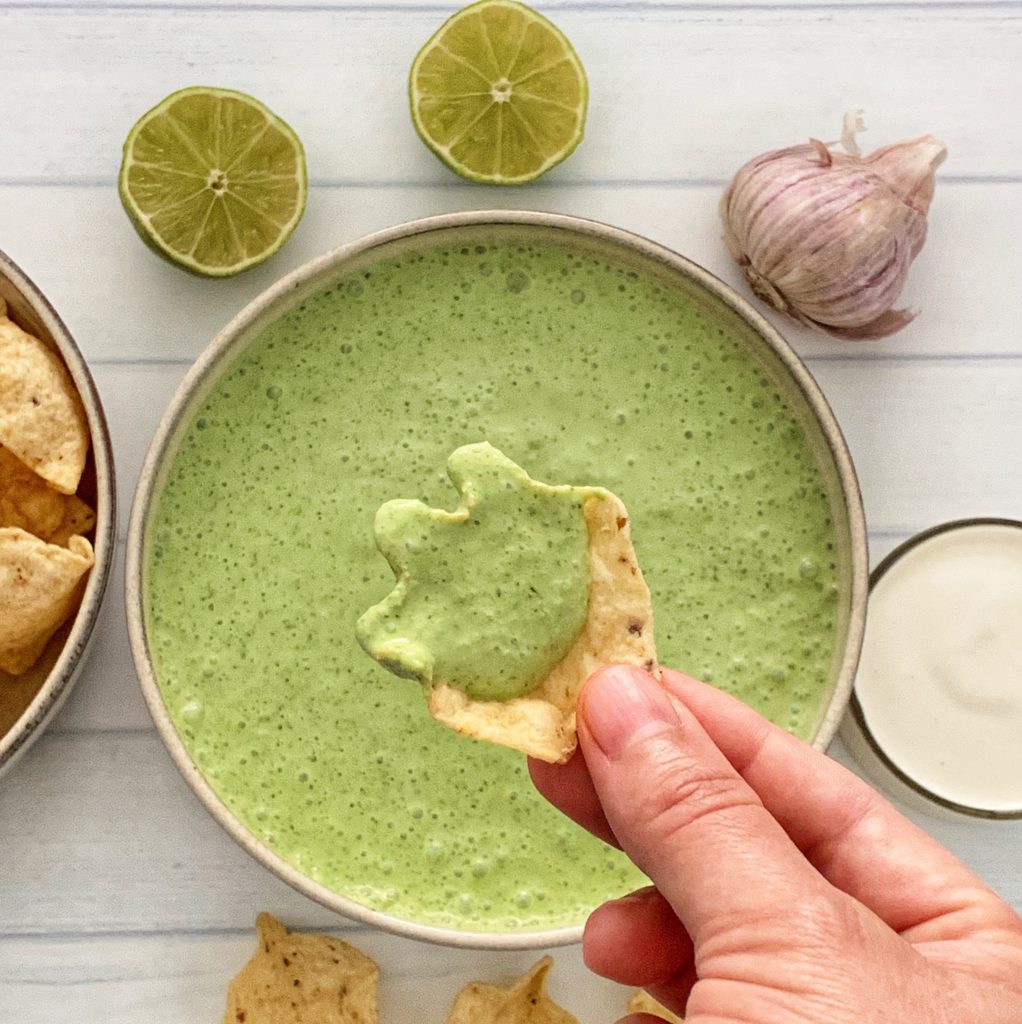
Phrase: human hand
(786, 890)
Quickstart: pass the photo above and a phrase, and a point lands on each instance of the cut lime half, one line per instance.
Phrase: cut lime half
(498, 93)
(213, 180)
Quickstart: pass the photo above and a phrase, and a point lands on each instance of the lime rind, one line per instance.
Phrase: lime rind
(566, 55)
(143, 221)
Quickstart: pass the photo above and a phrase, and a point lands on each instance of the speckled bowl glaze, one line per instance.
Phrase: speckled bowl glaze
(29, 701)
(459, 229)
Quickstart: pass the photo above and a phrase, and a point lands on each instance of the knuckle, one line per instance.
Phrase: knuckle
(810, 929)
(828, 922)
(678, 791)
(824, 916)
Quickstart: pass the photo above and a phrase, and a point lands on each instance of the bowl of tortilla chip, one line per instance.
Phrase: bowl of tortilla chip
(57, 517)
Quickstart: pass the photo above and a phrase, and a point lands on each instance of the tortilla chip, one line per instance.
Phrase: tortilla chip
(643, 1002)
(28, 502)
(296, 978)
(39, 589)
(525, 1002)
(42, 421)
(521, 695)
(618, 630)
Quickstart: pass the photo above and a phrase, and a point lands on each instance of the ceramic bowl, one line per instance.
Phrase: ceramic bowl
(460, 230)
(29, 701)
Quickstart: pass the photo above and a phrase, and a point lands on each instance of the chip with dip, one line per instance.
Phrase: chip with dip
(298, 978)
(524, 1002)
(505, 606)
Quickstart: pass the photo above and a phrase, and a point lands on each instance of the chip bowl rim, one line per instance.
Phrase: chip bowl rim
(67, 669)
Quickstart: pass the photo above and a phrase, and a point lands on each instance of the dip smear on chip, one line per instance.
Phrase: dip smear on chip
(504, 607)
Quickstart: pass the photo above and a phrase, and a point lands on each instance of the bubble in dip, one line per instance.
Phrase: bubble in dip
(939, 686)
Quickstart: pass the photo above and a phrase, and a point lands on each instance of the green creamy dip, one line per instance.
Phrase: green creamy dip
(490, 597)
(261, 556)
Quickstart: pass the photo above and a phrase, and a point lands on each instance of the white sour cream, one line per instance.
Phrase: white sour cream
(940, 679)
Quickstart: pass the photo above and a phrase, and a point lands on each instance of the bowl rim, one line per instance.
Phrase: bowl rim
(855, 709)
(66, 669)
(330, 262)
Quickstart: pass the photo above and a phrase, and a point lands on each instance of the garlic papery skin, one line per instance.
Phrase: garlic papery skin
(828, 238)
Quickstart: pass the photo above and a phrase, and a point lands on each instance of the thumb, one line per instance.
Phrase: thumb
(681, 812)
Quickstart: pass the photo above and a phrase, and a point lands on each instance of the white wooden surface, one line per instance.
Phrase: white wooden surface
(120, 899)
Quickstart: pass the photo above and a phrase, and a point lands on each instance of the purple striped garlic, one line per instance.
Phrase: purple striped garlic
(827, 238)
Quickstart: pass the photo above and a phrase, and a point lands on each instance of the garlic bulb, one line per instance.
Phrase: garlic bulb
(826, 237)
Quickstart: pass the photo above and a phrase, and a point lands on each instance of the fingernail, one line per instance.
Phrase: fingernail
(621, 702)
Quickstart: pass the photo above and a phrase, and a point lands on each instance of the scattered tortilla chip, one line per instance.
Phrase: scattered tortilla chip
(525, 1002)
(643, 1002)
(39, 588)
(297, 978)
(28, 502)
(42, 421)
(618, 628)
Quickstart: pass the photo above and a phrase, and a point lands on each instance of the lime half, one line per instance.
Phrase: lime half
(213, 180)
(498, 93)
